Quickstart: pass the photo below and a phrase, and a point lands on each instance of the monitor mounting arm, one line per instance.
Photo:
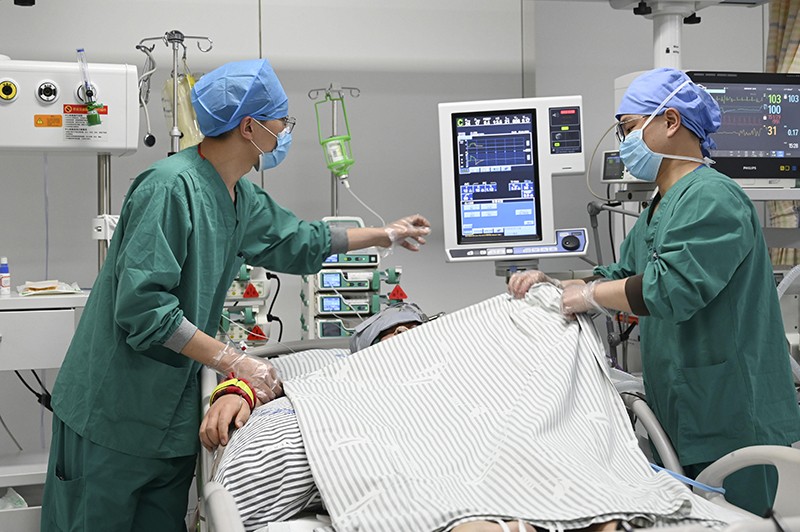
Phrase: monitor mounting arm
(668, 18)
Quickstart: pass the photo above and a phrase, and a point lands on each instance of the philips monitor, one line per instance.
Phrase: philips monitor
(760, 133)
(498, 158)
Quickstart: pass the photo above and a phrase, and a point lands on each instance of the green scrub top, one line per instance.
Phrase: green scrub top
(178, 245)
(714, 354)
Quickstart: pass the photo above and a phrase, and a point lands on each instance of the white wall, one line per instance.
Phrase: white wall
(406, 57)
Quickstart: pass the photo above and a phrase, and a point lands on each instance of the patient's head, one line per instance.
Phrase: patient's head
(389, 322)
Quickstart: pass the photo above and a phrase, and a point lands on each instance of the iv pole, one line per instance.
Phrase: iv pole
(103, 201)
(176, 39)
(172, 38)
(333, 91)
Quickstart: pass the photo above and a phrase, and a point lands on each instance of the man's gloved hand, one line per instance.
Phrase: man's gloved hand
(259, 373)
(521, 282)
(578, 298)
(413, 227)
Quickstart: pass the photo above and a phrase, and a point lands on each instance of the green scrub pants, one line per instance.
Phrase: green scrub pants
(751, 488)
(92, 488)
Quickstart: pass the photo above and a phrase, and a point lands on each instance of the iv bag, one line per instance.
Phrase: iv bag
(187, 120)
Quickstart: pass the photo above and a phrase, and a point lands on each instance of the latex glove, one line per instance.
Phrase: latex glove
(259, 373)
(413, 227)
(579, 298)
(521, 282)
(227, 410)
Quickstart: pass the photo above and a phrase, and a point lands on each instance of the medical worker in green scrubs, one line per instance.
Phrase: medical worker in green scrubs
(696, 271)
(127, 400)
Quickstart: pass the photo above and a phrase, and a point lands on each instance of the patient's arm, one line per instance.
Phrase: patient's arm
(227, 410)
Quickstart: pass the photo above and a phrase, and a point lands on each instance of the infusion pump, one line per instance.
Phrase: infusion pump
(346, 291)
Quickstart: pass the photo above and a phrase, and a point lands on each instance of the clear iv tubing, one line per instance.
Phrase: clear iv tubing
(591, 160)
(245, 329)
(343, 299)
(787, 280)
(347, 186)
(144, 83)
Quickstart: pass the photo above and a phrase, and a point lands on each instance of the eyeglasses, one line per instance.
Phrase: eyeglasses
(288, 123)
(621, 133)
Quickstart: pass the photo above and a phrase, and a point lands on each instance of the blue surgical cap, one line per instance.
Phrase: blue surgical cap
(699, 111)
(233, 91)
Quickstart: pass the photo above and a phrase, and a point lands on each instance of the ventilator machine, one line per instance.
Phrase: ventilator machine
(498, 160)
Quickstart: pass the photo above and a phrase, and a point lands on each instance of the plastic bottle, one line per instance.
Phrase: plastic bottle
(5, 278)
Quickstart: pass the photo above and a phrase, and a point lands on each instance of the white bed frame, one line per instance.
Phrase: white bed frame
(218, 513)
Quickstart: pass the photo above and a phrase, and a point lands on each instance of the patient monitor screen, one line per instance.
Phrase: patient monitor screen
(497, 178)
(760, 132)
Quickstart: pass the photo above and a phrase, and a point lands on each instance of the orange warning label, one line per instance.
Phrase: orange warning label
(80, 109)
(48, 121)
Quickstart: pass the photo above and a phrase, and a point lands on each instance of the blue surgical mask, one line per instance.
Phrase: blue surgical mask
(273, 158)
(642, 162)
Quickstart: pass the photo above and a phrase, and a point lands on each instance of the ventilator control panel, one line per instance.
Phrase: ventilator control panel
(565, 130)
(569, 242)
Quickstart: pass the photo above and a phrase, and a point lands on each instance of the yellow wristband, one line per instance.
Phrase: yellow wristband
(236, 386)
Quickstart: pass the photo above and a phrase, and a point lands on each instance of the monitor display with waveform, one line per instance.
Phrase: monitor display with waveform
(498, 163)
(759, 134)
(497, 175)
(760, 120)
(505, 150)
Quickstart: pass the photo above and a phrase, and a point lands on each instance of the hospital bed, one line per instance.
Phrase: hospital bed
(218, 513)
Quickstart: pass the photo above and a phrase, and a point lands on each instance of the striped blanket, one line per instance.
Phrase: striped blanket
(500, 410)
(264, 466)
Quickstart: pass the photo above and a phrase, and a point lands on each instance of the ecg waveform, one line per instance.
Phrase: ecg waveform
(731, 106)
(735, 110)
(724, 98)
(752, 132)
(734, 121)
(512, 149)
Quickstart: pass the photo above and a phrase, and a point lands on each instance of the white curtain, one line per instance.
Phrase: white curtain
(783, 55)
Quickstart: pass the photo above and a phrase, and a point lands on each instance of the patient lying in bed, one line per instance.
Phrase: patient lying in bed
(499, 412)
(289, 467)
